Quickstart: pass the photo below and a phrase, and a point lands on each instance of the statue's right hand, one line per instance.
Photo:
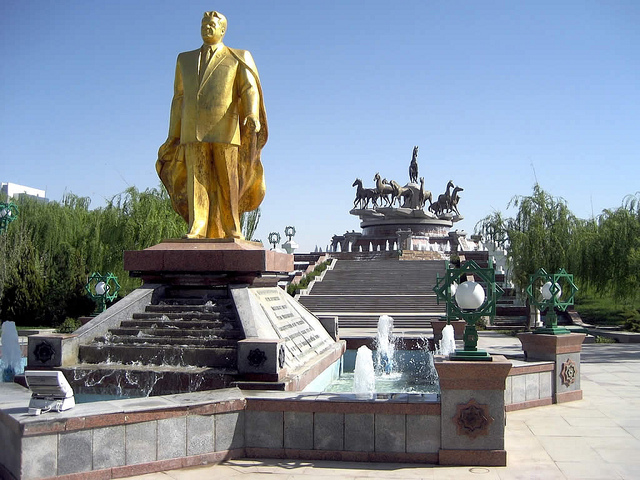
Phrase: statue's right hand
(252, 122)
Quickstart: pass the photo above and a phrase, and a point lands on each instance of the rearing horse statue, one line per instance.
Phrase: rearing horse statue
(413, 167)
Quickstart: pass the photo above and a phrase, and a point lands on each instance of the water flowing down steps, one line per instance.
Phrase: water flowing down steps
(188, 339)
(359, 291)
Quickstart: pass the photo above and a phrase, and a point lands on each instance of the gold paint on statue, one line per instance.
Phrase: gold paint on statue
(210, 163)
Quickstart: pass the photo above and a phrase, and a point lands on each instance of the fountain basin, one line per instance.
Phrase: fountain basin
(413, 373)
(133, 436)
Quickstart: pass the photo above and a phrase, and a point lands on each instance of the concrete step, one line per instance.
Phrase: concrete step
(168, 340)
(197, 293)
(167, 309)
(215, 316)
(175, 332)
(160, 355)
(180, 324)
(366, 321)
(505, 321)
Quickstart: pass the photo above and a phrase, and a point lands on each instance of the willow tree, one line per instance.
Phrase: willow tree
(541, 235)
(49, 251)
(23, 295)
(249, 223)
(610, 261)
(134, 220)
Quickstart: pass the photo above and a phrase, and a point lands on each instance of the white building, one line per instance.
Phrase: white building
(13, 190)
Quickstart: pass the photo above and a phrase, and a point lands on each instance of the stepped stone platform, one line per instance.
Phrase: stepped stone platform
(185, 342)
(208, 316)
(359, 291)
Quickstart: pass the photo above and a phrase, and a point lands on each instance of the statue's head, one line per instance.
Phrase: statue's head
(213, 28)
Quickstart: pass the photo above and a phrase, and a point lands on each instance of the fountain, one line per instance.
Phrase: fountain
(385, 344)
(364, 381)
(11, 361)
(448, 343)
(392, 370)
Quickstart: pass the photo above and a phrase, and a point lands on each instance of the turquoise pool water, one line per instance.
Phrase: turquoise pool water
(412, 372)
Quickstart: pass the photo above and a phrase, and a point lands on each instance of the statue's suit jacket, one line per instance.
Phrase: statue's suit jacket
(211, 110)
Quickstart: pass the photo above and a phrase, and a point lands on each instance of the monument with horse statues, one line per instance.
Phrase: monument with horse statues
(403, 217)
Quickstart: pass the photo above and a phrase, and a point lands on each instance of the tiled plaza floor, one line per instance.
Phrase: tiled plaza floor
(594, 438)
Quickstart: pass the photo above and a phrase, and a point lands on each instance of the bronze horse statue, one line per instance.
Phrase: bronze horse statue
(413, 167)
(455, 198)
(443, 204)
(364, 195)
(385, 190)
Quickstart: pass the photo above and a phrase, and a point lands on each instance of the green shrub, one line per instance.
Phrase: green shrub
(600, 339)
(632, 320)
(70, 325)
(306, 279)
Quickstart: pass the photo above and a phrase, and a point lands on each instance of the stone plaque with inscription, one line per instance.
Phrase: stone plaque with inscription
(271, 313)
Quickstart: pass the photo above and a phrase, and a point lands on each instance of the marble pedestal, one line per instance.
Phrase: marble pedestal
(208, 262)
(473, 412)
(564, 351)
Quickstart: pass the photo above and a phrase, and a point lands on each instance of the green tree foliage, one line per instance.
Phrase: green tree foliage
(48, 253)
(603, 253)
(23, 298)
(134, 220)
(249, 223)
(609, 260)
(542, 234)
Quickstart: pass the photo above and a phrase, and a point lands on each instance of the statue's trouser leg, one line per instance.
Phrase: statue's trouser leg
(198, 162)
(224, 214)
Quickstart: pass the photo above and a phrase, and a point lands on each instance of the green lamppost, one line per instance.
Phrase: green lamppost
(102, 289)
(290, 232)
(448, 295)
(290, 246)
(8, 213)
(462, 289)
(546, 291)
(274, 239)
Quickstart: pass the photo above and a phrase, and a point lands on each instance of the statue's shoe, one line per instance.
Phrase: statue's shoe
(193, 235)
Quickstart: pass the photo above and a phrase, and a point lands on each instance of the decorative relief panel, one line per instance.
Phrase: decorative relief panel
(569, 372)
(44, 352)
(472, 419)
(257, 357)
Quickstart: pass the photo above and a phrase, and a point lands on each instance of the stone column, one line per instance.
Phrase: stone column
(50, 350)
(564, 351)
(473, 412)
(262, 359)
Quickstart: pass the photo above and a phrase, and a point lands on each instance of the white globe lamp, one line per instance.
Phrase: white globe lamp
(469, 295)
(101, 288)
(546, 291)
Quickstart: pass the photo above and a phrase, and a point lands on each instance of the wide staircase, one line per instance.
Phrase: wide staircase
(359, 291)
(191, 333)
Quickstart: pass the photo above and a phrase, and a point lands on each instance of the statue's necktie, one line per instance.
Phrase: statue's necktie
(205, 58)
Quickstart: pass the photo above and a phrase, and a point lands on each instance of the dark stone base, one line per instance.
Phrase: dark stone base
(484, 458)
(208, 262)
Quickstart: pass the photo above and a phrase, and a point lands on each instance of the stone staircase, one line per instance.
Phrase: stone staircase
(359, 291)
(190, 332)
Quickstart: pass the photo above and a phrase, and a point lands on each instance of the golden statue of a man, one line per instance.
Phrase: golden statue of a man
(210, 163)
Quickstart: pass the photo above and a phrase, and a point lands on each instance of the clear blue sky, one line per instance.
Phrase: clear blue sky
(495, 93)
